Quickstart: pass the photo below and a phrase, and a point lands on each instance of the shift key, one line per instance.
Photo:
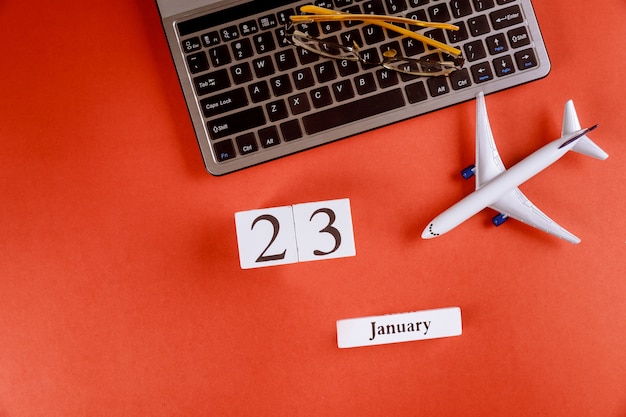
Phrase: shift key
(236, 122)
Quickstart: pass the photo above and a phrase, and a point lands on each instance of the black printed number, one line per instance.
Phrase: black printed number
(276, 225)
(328, 229)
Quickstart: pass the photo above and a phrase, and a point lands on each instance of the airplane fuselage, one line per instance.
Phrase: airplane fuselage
(491, 191)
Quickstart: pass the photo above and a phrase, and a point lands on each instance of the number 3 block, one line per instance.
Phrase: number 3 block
(324, 230)
(303, 232)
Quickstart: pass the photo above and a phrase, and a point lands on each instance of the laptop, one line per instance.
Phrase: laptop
(254, 96)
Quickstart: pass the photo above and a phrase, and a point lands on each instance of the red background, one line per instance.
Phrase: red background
(120, 287)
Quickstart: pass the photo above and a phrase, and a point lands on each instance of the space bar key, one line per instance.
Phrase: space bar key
(353, 111)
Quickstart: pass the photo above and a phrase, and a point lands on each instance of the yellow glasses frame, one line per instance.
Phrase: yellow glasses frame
(321, 14)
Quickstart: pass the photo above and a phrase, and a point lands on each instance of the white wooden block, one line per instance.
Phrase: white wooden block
(266, 237)
(396, 328)
(324, 230)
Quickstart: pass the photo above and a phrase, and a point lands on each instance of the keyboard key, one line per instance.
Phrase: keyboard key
(460, 8)
(197, 62)
(373, 34)
(412, 47)
(353, 111)
(281, 85)
(230, 33)
(482, 72)
(481, 5)
(269, 137)
(417, 15)
(236, 123)
(224, 150)
(242, 49)
(241, 73)
(264, 42)
(276, 110)
(307, 57)
(224, 102)
(327, 4)
(416, 92)
(350, 37)
(211, 38)
(330, 27)
(365, 83)
(347, 67)
(268, 22)
(259, 91)
(396, 6)
(247, 144)
(387, 78)
(283, 16)
(526, 59)
(438, 86)
(474, 51)
(248, 28)
(299, 104)
(478, 25)
(211, 82)
(320, 97)
(286, 60)
(518, 37)
(343, 90)
(325, 71)
(439, 13)
(303, 78)
(497, 44)
(220, 55)
(506, 17)
(436, 34)
(460, 79)
(374, 7)
(263, 67)
(291, 130)
(191, 45)
(503, 66)
(457, 36)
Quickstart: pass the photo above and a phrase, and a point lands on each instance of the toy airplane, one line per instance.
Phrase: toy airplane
(496, 187)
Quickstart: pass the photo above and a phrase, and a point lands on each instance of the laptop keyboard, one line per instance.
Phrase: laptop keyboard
(254, 97)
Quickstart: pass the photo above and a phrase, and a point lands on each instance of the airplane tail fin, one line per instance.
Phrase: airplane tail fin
(584, 145)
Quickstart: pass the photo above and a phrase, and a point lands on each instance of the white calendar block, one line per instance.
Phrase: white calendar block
(266, 237)
(324, 230)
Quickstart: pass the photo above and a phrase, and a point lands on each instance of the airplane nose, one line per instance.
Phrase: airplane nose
(428, 232)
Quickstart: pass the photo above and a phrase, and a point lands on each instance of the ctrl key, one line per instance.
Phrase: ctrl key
(224, 150)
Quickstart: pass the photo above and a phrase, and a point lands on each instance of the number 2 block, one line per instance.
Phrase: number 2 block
(266, 237)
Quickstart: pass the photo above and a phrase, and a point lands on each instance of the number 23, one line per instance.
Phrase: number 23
(329, 228)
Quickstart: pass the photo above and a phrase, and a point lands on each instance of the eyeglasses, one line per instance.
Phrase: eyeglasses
(391, 60)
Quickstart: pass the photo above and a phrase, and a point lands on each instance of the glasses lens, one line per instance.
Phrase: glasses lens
(325, 48)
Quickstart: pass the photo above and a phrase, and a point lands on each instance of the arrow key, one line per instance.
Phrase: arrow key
(504, 66)
(526, 59)
(482, 72)
(497, 44)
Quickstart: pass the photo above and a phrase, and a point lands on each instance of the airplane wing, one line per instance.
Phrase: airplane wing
(488, 162)
(516, 205)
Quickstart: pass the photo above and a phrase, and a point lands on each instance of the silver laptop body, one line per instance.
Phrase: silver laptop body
(252, 97)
